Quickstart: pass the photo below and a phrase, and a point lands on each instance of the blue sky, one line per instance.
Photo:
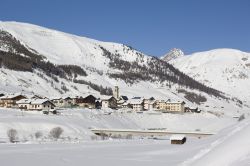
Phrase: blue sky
(151, 26)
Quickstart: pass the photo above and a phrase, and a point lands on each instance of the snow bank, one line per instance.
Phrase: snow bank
(230, 146)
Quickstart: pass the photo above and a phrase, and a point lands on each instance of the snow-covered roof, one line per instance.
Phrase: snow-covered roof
(192, 108)
(60, 97)
(86, 95)
(175, 102)
(123, 97)
(120, 101)
(151, 98)
(125, 103)
(106, 97)
(149, 101)
(32, 101)
(137, 97)
(24, 101)
(177, 137)
(135, 101)
(161, 101)
(55, 98)
(39, 101)
(10, 96)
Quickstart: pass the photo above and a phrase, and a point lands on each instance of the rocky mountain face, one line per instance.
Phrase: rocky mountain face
(173, 54)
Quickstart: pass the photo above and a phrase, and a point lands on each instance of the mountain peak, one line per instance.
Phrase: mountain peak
(172, 54)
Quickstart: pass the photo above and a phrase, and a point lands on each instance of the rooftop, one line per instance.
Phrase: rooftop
(177, 137)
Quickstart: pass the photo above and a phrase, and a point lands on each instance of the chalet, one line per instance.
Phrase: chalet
(178, 139)
(191, 109)
(149, 104)
(136, 104)
(88, 101)
(35, 104)
(62, 102)
(109, 102)
(121, 101)
(9, 101)
(125, 105)
(24, 103)
(123, 98)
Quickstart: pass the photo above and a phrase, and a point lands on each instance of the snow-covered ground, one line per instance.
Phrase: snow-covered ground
(230, 145)
(76, 123)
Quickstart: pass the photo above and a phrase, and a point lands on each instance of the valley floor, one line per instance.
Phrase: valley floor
(122, 153)
(230, 146)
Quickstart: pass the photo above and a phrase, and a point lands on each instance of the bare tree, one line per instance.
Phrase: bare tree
(38, 134)
(12, 134)
(56, 132)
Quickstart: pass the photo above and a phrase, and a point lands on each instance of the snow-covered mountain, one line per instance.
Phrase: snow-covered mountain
(227, 70)
(39, 60)
(173, 54)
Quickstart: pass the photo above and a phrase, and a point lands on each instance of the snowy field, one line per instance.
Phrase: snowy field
(230, 146)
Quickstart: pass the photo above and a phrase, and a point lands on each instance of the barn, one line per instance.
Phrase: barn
(178, 139)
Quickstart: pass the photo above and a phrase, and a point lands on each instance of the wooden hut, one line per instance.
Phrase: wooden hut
(178, 139)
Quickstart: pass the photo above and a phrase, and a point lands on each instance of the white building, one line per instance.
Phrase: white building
(136, 104)
(10, 101)
(149, 104)
(109, 102)
(63, 102)
(35, 104)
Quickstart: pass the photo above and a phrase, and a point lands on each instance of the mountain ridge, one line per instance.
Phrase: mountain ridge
(228, 69)
(172, 54)
(106, 65)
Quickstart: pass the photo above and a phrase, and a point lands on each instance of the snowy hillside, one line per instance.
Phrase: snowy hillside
(52, 63)
(225, 69)
(63, 48)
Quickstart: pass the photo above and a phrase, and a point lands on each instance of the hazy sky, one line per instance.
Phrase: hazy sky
(151, 26)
